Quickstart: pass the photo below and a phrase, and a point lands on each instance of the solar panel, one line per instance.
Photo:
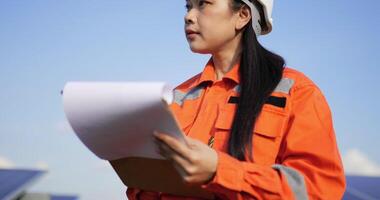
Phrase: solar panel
(362, 188)
(45, 196)
(56, 197)
(15, 181)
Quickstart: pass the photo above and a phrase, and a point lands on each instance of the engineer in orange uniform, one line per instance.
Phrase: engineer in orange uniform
(255, 128)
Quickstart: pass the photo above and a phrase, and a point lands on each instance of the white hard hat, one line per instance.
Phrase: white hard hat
(267, 8)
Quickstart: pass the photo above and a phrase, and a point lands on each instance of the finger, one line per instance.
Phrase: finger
(179, 163)
(173, 143)
(195, 144)
(172, 155)
(159, 149)
(182, 172)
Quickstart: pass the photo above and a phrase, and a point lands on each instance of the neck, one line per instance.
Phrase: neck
(225, 59)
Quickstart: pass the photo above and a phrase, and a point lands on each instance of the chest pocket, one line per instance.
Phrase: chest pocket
(267, 133)
(185, 121)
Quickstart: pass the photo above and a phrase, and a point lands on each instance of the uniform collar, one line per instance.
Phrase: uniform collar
(209, 75)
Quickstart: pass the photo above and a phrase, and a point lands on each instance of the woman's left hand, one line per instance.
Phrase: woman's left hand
(195, 161)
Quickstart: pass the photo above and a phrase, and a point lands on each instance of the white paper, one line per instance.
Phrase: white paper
(117, 119)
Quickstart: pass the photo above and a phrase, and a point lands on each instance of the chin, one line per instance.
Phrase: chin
(199, 50)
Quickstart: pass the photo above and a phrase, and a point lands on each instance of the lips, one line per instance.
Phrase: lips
(191, 32)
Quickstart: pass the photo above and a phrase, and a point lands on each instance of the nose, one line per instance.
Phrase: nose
(190, 17)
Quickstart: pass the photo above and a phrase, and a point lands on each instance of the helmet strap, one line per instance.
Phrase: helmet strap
(255, 17)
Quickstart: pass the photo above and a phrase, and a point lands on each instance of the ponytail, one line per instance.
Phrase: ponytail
(260, 72)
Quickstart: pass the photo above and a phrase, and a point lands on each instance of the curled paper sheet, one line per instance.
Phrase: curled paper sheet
(117, 119)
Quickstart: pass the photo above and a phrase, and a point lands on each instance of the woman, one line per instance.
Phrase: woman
(255, 129)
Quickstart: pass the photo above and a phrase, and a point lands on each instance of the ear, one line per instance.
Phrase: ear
(243, 17)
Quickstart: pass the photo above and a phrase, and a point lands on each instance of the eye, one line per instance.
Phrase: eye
(202, 3)
(188, 6)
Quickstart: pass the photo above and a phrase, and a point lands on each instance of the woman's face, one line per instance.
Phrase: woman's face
(209, 25)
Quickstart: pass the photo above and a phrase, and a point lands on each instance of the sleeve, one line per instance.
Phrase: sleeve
(308, 165)
(132, 193)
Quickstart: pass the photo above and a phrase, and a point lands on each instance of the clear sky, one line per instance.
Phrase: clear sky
(44, 44)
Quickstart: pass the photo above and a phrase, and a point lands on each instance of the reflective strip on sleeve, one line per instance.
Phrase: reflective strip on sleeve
(295, 180)
(179, 97)
(285, 85)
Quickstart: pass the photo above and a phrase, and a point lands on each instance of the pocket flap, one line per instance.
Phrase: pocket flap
(270, 123)
(225, 117)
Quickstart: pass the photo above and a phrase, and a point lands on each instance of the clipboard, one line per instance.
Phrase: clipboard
(155, 175)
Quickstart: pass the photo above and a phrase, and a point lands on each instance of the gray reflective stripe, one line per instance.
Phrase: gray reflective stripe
(295, 180)
(179, 97)
(236, 88)
(285, 85)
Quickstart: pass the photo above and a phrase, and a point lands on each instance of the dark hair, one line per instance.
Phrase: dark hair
(260, 72)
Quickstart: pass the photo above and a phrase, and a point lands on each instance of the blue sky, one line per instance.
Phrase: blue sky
(44, 44)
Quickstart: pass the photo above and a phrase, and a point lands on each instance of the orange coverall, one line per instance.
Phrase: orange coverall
(295, 155)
